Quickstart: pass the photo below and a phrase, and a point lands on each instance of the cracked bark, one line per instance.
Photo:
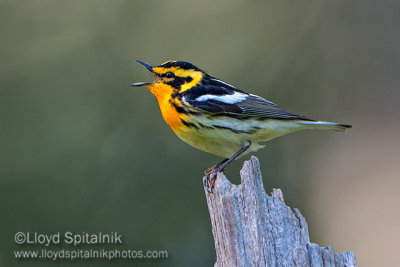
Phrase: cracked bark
(251, 228)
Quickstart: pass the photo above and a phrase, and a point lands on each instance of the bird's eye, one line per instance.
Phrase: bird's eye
(169, 75)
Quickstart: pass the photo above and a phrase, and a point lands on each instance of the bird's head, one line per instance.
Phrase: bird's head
(175, 76)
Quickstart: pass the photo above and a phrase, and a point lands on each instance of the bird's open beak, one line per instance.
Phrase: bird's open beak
(149, 67)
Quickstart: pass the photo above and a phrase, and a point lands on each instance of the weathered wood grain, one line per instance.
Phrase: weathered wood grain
(251, 228)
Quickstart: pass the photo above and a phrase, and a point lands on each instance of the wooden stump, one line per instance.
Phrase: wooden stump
(251, 228)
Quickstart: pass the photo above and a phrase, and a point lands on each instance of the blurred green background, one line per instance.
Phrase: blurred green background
(82, 151)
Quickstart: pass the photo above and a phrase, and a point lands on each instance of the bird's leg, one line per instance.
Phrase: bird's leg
(211, 173)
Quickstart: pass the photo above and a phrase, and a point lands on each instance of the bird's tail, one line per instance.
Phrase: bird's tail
(325, 125)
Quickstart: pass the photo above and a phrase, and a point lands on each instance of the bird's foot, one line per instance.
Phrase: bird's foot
(211, 177)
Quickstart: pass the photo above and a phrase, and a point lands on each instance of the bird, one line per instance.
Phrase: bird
(216, 117)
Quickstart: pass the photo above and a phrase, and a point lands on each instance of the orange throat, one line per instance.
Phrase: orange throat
(163, 94)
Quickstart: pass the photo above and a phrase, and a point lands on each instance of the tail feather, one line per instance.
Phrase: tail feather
(326, 125)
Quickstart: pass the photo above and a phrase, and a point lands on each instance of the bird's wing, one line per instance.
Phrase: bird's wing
(225, 100)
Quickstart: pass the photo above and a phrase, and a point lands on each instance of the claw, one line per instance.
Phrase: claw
(211, 176)
(211, 173)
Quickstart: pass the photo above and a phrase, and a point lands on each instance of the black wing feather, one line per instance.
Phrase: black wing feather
(253, 106)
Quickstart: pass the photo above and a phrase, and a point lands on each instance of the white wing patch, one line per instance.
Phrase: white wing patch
(236, 97)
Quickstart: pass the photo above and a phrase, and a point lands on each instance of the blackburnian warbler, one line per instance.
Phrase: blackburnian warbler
(218, 118)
